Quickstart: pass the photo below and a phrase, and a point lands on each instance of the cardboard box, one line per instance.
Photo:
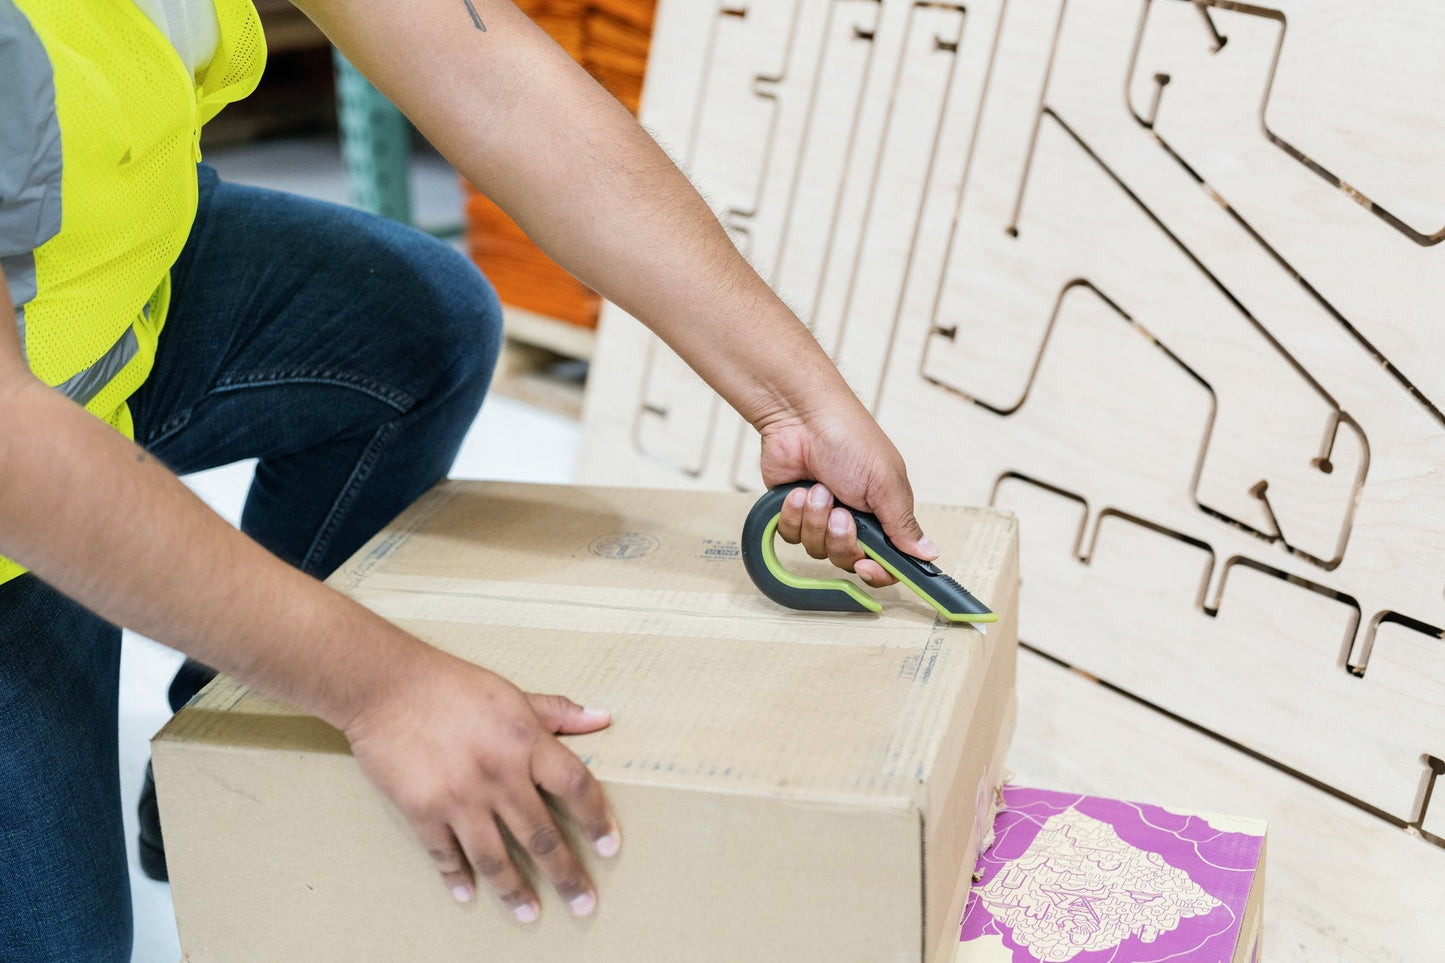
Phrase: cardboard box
(791, 786)
(1080, 879)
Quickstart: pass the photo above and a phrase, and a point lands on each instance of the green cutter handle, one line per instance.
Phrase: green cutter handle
(931, 583)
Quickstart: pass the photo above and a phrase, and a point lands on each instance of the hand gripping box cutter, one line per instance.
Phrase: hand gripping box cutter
(954, 602)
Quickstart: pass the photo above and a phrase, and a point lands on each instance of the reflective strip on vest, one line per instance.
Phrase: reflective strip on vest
(86, 385)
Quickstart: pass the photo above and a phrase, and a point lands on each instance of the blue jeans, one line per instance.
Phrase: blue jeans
(350, 355)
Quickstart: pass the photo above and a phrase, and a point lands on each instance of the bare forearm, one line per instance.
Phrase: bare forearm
(521, 120)
(106, 524)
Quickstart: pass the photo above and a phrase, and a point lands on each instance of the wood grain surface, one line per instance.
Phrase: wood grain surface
(1161, 277)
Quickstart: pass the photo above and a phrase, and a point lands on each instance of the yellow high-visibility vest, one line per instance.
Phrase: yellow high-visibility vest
(129, 117)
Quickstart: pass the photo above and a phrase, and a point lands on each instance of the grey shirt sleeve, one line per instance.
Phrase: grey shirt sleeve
(30, 159)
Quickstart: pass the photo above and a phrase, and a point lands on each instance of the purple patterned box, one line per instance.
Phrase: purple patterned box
(1089, 880)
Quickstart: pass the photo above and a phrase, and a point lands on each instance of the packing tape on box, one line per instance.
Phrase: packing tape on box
(636, 611)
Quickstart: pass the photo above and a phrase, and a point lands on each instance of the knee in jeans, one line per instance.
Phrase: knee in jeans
(458, 320)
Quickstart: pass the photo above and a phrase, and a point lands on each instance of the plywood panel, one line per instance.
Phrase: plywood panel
(1154, 274)
(1340, 885)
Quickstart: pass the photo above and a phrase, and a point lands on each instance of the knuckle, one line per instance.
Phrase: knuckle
(544, 840)
(520, 734)
(577, 783)
(447, 860)
(491, 865)
(511, 752)
(422, 804)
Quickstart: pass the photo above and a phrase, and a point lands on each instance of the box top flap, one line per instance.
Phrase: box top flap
(637, 602)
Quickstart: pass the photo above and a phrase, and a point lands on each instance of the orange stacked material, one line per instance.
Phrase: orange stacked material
(610, 39)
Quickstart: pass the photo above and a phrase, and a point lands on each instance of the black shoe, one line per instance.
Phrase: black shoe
(190, 678)
(152, 846)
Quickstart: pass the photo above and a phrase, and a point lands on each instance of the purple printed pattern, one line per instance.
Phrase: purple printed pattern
(1079, 887)
(1089, 880)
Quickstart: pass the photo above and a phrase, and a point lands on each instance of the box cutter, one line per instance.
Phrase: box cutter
(953, 601)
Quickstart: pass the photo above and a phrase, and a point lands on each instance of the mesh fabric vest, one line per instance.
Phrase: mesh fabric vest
(130, 116)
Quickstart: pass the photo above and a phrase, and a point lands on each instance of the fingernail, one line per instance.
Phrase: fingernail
(525, 912)
(462, 893)
(583, 905)
(597, 714)
(607, 846)
(927, 547)
(797, 497)
(837, 521)
(817, 496)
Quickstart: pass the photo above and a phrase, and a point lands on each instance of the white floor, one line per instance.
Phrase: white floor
(510, 440)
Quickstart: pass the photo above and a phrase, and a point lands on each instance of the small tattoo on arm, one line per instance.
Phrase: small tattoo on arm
(475, 19)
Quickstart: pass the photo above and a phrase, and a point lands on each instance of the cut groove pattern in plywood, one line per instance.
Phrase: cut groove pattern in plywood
(1205, 90)
(1327, 69)
(748, 54)
(1433, 823)
(1144, 271)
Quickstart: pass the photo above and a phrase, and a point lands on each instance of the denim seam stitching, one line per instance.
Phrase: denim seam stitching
(359, 474)
(398, 400)
(165, 431)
